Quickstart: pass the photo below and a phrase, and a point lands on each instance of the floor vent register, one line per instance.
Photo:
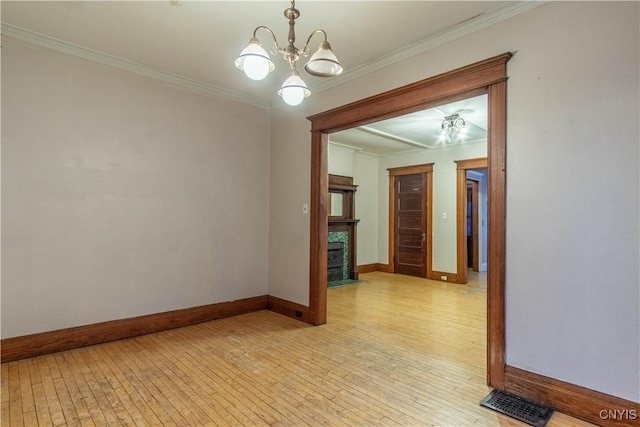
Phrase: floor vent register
(534, 414)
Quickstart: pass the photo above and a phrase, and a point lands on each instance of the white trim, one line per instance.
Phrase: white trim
(367, 154)
(353, 150)
(462, 29)
(197, 86)
(344, 147)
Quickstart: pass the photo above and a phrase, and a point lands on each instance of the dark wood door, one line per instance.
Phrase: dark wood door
(411, 225)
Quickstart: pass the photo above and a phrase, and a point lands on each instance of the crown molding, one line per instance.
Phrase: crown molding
(344, 147)
(464, 28)
(197, 86)
(352, 150)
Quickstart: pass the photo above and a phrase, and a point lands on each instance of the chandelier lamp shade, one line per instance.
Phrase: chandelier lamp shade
(256, 63)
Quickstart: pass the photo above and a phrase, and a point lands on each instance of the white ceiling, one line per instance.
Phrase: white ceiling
(420, 130)
(196, 42)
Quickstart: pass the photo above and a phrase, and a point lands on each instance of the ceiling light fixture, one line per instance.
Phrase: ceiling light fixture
(256, 64)
(452, 126)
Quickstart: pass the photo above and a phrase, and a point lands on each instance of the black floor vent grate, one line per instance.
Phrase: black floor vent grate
(523, 410)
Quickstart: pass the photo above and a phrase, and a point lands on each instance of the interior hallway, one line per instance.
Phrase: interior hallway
(396, 350)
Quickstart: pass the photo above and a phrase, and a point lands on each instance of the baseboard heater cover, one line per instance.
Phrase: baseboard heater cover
(529, 412)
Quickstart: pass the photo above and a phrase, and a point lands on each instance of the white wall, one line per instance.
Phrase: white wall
(482, 227)
(340, 160)
(364, 170)
(572, 265)
(122, 196)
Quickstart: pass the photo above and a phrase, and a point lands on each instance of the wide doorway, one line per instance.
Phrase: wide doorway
(485, 77)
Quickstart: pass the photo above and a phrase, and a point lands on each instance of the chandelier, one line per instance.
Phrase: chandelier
(452, 126)
(256, 64)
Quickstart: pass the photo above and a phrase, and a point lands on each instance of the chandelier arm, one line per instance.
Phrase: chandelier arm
(305, 50)
(276, 48)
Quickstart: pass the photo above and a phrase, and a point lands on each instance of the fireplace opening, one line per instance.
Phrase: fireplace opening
(335, 261)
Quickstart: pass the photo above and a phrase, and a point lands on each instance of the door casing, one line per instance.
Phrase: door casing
(461, 204)
(483, 77)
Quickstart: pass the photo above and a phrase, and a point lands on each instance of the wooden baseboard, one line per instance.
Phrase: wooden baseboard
(370, 268)
(367, 268)
(385, 268)
(288, 308)
(579, 402)
(443, 276)
(66, 339)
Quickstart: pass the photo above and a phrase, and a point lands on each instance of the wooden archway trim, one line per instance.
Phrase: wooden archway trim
(447, 87)
(484, 77)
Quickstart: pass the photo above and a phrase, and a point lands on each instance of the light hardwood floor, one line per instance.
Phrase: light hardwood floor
(396, 351)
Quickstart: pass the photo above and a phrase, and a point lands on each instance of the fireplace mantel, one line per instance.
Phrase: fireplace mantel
(343, 221)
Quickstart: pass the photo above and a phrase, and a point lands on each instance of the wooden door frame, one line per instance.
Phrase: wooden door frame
(484, 77)
(462, 166)
(427, 169)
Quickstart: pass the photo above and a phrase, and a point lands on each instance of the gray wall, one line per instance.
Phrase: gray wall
(572, 283)
(122, 196)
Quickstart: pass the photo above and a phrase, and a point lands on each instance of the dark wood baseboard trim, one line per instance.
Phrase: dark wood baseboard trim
(367, 268)
(385, 268)
(26, 346)
(370, 268)
(580, 402)
(288, 308)
(66, 339)
(444, 276)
